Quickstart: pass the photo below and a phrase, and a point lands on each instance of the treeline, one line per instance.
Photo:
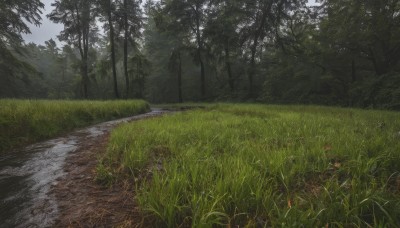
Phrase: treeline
(338, 52)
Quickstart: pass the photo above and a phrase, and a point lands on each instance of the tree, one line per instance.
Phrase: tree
(167, 51)
(57, 76)
(191, 17)
(108, 9)
(261, 24)
(221, 31)
(139, 71)
(175, 65)
(78, 17)
(14, 16)
(363, 39)
(368, 28)
(129, 15)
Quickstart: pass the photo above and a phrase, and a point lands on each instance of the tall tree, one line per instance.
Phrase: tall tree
(261, 16)
(108, 9)
(159, 47)
(221, 31)
(129, 15)
(139, 71)
(259, 11)
(177, 44)
(175, 66)
(191, 17)
(78, 17)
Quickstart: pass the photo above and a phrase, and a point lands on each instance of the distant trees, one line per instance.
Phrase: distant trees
(222, 33)
(188, 17)
(158, 48)
(80, 22)
(57, 77)
(365, 34)
(370, 28)
(285, 50)
(338, 52)
(262, 22)
(218, 29)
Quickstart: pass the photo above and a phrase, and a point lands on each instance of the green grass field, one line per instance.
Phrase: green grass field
(257, 166)
(28, 121)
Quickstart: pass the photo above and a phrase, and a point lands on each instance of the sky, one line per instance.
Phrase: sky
(49, 30)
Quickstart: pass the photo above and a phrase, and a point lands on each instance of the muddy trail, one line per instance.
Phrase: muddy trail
(52, 184)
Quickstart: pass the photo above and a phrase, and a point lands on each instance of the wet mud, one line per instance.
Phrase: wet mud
(53, 183)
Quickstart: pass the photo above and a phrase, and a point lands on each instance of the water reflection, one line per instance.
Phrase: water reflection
(26, 176)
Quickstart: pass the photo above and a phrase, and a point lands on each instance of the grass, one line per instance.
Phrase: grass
(262, 166)
(27, 121)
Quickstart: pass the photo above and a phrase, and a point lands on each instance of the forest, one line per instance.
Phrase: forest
(337, 52)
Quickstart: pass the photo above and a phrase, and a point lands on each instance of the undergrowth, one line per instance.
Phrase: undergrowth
(27, 121)
(262, 166)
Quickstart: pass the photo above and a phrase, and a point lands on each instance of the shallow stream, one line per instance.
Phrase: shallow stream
(27, 175)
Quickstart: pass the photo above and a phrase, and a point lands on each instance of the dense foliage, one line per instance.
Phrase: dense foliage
(14, 16)
(335, 52)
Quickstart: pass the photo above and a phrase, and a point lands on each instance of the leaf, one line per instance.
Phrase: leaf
(327, 147)
(337, 165)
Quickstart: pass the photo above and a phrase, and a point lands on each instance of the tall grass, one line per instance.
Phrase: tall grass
(27, 121)
(255, 165)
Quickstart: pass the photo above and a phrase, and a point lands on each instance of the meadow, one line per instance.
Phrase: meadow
(27, 121)
(261, 166)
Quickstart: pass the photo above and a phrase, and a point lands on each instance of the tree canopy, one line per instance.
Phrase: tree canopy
(338, 52)
(14, 19)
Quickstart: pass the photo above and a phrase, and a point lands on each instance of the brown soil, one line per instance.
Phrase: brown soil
(83, 202)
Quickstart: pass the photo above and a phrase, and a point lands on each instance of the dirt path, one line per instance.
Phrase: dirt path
(84, 203)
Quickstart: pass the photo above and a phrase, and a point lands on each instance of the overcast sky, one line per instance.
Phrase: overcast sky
(47, 30)
(50, 30)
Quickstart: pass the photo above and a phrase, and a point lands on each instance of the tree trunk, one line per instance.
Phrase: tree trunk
(180, 78)
(126, 48)
(83, 46)
(203, 77)
(199, 50)
(353, 71)
(252, 67)
(228, 68)
(112, 50)
(381, 66)
(139, 78)
(84, 79)
(85, 60)
(257, 36)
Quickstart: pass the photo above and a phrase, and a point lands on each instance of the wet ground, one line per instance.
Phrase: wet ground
(41, 185)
